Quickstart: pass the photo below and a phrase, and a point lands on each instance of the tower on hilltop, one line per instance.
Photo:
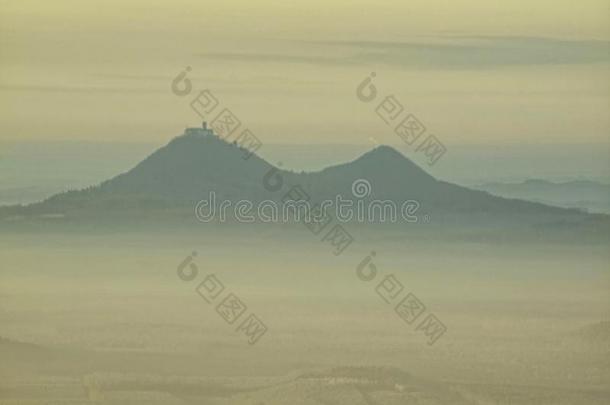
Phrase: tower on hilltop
(203, 131)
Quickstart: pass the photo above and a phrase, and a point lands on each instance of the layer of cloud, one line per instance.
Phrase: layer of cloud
(455, 52)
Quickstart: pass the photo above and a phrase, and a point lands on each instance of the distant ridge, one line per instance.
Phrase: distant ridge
(583, 194)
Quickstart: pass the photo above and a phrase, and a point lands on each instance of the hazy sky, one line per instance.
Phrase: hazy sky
(473, 71)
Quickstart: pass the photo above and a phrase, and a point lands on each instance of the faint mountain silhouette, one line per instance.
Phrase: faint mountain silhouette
(587, 195)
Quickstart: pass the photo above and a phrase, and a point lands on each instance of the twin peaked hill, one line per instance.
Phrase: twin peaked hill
(171, 181)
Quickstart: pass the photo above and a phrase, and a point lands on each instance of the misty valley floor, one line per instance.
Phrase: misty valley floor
(103, 318)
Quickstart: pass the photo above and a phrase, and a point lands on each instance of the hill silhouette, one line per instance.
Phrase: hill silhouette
(175, 177)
